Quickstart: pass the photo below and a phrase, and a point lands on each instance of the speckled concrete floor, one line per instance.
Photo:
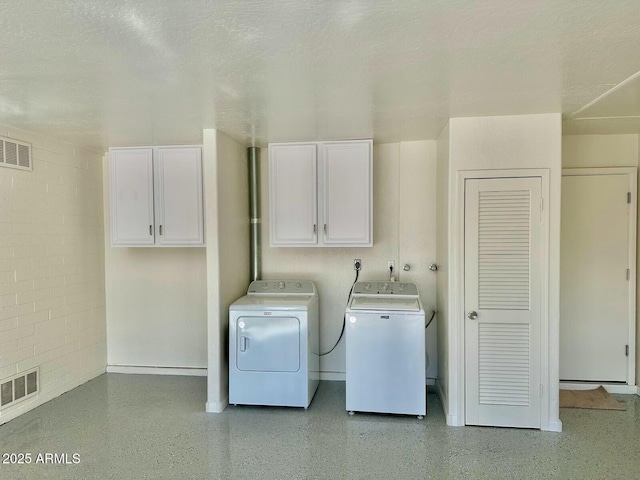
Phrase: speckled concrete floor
(138, 426)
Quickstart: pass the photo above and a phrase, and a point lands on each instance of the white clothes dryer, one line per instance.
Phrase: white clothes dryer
(274, 344)
(385, 343)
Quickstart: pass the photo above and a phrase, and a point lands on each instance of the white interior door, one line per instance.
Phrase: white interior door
(595, 293)
(503, 277)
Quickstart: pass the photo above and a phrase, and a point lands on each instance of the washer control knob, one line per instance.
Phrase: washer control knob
(367, 286)
(265, 285)
(281, 285)
(298, 286)
(385, 286)
(402, 287)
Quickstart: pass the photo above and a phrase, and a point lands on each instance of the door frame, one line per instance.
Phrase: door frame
(549, 326)
(632, 175)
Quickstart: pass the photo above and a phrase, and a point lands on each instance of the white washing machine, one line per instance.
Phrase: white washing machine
(385, 342)
(273, 344)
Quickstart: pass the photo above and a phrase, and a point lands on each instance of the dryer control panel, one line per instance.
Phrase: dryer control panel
(282, 287)
(385, 288)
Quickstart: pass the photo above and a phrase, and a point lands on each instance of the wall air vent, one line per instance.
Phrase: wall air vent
(15, 154)
(19, 387)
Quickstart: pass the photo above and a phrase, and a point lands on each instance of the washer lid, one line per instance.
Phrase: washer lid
(387, 303)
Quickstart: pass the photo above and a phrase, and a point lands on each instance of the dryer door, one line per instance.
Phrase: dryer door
(268, 344)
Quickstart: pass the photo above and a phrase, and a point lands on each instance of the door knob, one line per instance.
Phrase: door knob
(472, 315)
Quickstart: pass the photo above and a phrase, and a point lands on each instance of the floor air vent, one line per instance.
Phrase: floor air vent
(19, 387)
(15, 154)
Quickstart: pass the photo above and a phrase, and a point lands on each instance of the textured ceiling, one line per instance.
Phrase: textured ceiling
(616, 111)
(118, 72)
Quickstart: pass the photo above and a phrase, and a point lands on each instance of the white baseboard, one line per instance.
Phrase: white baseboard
(452, 420)
(140, 370)
(341, 377)
(554, 426)
(44, 397)
(443, 398)
(609, 387)
(216, 407)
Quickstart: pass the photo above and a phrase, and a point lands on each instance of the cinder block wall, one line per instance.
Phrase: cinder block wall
(52, 296)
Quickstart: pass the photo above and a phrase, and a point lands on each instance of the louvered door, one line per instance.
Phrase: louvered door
(503, 241)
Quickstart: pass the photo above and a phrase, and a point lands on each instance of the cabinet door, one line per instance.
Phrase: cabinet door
(347, 193)
(179, 196)
(292, 186)
(131, 175)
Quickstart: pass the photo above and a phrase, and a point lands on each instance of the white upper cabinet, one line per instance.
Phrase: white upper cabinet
(293, 179)
(132, 196)
(321, 194)
(347, 193)
(156, 196)
(179, 184)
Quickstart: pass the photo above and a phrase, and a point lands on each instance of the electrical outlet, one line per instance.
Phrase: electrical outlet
(357, 264)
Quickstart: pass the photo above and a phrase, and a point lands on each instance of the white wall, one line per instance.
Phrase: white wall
(593, 151)
(417, 232)
(587, 151)
(404, 231)
(443, 179)
(52, 306)
(504, 142)
(226, 185)
(156, 304)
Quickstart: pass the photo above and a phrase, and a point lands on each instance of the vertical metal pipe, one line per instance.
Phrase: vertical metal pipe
(253, 155)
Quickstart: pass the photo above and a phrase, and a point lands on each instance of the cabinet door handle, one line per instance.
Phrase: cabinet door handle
(150, 229)
(325, 228)
(315, 229)
(160, 229)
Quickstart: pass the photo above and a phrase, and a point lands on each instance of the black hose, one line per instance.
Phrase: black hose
(431, 319)
(344, 319)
